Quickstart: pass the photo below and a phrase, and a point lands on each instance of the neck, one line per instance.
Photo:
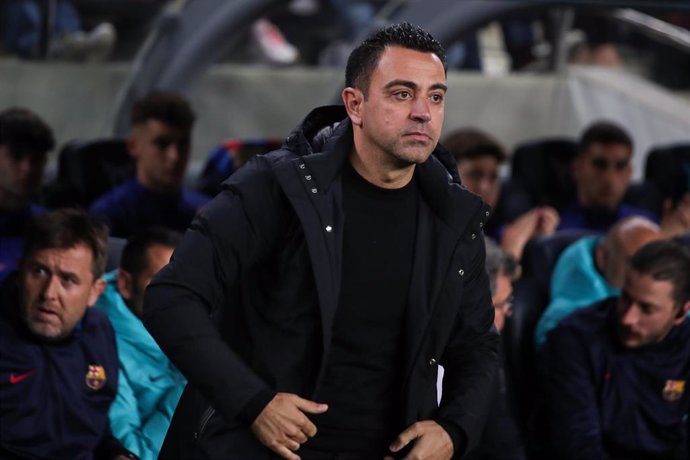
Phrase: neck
(381, 173)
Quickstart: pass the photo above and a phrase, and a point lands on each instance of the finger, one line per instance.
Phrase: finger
(310, 406)
(286, 453)
(404, 438)
(292, 444)
(308, 428)
(299, 436)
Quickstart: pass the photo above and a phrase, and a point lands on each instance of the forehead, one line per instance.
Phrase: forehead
(644, 288)
(77, 259)
(482, 162)
(410, 65)
(155, 127)
(613, 151)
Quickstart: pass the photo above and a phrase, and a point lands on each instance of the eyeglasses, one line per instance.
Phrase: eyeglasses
(602, 164)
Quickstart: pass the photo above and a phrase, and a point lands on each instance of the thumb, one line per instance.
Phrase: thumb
(310, 407)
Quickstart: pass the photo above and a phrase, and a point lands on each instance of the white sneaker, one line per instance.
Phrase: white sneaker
(272, 44)
(82, 46)
(101, 42)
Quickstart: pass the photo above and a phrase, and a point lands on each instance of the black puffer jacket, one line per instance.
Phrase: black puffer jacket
(245, 308)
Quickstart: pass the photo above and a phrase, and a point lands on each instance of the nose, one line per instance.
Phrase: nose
(50, 288)
(172, 153)
(420, 110)
(631, 315)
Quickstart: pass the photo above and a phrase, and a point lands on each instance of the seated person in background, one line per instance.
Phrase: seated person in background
(478, 157)
(58, 357)
(25, 141)
(602, 173)
(501, 438)
(592, 269)
(159, 142)
(149, 386)
(617, 372)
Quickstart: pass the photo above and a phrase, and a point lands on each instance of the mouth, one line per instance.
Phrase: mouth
(46, 314)
(418, 136)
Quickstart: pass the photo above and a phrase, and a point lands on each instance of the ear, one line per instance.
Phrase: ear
(352, 99)
(683, 313)
(124, 284)
(96, 291)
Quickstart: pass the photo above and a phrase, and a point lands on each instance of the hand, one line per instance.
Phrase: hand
(517, 233)
(548, 221)
(432, 442)
(282, 426)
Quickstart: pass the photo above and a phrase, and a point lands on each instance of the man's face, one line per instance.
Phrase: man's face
(602, 175)
(646, 310)
(133, 288)
(161, 153)
(20, 177)
(502, 301)
(480, 175)
(57, 287)
(402, 115)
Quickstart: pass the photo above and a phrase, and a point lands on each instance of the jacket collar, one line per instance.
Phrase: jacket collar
(323, 142)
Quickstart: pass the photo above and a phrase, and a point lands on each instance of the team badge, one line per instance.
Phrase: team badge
(95, 377)
(673, 390)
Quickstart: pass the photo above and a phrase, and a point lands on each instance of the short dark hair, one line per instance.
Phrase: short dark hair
(603, 132)
(472, 143)
(66, 228)
(134, 256)
(25, 133)
(165, 106)
(666, 260)
(363, 59)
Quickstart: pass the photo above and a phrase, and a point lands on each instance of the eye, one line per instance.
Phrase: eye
(403, 95)
(69, 281)
(162, 142)
(437, 98)
(38, 270)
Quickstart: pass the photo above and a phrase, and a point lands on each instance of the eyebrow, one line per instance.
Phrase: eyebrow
(413, 85)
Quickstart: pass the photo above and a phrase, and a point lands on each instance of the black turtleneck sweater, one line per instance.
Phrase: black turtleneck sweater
(362, 379)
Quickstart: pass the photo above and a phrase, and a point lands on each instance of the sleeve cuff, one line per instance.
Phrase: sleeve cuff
(255, 405)
(457, 435)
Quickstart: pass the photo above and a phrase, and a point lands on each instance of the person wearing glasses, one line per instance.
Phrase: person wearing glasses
(602, 172)
(159, 142)
(501, 438)
(478, 157)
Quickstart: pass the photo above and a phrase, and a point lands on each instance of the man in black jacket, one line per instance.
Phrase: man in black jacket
(310, 304)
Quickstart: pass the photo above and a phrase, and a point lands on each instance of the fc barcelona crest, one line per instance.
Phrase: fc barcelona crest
(673, 390)
(95, 377)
